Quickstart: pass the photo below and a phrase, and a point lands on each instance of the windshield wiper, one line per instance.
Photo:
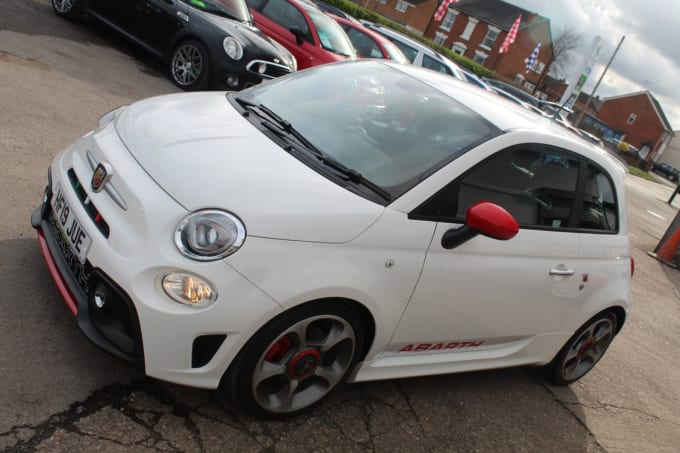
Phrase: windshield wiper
(283, 128)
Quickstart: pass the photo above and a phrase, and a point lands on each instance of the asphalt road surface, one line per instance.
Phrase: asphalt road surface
(59, 393)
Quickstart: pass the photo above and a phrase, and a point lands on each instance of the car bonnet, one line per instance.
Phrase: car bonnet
(204, 154)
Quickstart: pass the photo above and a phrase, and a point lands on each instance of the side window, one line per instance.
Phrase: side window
(409, 51)
(287, 16)
(431, 63)
(365, 46)
(254, 4)
(599, 210)
(537, 185)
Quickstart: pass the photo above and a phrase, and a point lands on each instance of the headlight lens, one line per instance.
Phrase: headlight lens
(188, 289)
(209, 235)
(109, 116)
(233, 48)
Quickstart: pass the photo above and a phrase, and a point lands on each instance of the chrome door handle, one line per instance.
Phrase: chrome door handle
(562, 271)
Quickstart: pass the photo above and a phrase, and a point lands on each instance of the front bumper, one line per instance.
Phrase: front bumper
(230, 75)
(173, 342)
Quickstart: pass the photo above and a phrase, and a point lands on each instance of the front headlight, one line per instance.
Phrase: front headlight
(233, 48)
(209, 235)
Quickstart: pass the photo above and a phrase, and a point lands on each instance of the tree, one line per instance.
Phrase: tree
(568, 39)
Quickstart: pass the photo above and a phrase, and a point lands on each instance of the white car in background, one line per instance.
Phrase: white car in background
(418, 53)
(390, 222)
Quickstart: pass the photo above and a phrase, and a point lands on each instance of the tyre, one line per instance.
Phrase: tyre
(583, 350)
(295, 361)
(70, 9)
(190, 66)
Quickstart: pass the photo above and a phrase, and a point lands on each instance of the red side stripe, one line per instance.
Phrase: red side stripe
(70, 301)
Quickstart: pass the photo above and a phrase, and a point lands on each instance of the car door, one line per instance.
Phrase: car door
(120, 13)
(276, 18)
(158, 21)
(491, 295)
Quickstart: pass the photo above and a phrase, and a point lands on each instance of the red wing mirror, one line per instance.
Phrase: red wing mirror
(491, 220)
(484, 218)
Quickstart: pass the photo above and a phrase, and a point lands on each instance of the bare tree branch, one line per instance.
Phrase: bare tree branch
(567, 40)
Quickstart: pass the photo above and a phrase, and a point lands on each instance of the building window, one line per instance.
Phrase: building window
(519, 79)
(469, 28)
(490, 38)
(440, 38)
(401, 6)
(459, 48)
(480, 57)
(449, 19)
(632, 118)
(530, 87)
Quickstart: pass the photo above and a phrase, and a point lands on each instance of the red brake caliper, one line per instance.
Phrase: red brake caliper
(278, 350)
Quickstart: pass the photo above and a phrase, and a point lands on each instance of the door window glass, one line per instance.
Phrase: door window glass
(431, 63)
(536, 187)
(599, 211)
(287, 16)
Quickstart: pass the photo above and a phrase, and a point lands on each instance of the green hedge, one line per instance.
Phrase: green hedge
(360, 12)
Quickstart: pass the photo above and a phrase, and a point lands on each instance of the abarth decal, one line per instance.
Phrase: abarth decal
(441, 346)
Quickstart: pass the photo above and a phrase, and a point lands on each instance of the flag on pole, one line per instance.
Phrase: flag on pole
(512, 34)
(443, 8)
(532, 58)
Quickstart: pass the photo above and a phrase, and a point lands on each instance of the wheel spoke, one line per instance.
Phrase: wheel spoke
(337, 334)
(574, 351)
(268, 370)
(331, 374)
(299, 330)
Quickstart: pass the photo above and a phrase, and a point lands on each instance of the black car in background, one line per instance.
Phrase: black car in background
(668, 171)
(205, 43)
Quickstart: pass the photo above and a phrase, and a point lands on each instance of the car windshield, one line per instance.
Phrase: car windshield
(331, 35)
(232, 9)
(375, 119)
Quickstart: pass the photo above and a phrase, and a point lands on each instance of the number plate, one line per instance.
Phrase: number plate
(69, 226)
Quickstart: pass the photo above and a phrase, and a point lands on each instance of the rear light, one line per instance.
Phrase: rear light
(632, 266)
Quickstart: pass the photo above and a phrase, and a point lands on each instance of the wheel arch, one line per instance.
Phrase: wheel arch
(183, 35)
(620, 314)
(367, 318)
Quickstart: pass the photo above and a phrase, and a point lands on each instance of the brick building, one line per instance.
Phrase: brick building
(636, 118)
(414, 15)
(477, 28)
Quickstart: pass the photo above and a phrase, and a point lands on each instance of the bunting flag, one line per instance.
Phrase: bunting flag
(532, 58)
(443, 8)
(512, 34)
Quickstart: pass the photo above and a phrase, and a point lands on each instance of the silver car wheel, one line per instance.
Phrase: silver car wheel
(187, 64)
(63, 6)
(589, 347)
(305, 362)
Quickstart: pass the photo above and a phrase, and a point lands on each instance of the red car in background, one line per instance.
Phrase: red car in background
(370, 44)
(313, 37)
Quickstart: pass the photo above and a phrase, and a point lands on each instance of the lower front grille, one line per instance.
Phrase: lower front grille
(271, 70)
(204, 349)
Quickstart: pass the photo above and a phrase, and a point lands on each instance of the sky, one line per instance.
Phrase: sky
(649, 58)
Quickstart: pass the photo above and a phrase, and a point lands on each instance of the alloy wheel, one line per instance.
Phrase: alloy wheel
(587, 349)
(304, 363)
(187, 64)
(63, 6)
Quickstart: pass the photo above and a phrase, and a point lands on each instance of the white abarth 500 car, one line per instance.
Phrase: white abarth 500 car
(355, 221)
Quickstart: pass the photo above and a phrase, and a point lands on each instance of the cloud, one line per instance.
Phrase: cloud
(649, 58)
